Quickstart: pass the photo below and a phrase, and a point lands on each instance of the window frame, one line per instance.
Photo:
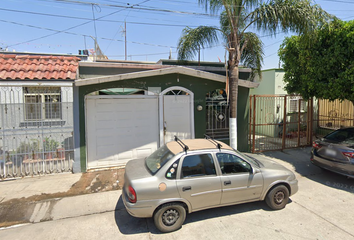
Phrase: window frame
(45, 109)
(211, 154)
(233, 173)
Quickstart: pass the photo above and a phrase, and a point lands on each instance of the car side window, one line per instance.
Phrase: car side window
(198, 165)
(172, 171)
(230, 163)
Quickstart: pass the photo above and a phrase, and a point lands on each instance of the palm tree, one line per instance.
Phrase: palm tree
(245, 47)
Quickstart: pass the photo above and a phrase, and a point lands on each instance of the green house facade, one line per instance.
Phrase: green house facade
(126, 110)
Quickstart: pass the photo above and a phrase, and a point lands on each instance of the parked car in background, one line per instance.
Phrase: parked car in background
(195, 174)
(335, 152)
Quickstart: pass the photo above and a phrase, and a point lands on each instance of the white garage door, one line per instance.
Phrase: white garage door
(120, 129)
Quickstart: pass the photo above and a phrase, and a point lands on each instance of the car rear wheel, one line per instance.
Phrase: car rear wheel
(170, 217)
(278, 197)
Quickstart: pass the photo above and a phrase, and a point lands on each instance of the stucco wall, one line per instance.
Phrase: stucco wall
(271, 83)
(198, 86)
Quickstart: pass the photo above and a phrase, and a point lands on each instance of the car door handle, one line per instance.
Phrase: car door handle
(186, 188)
(227, 183)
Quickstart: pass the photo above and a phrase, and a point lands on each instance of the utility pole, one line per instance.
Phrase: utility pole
(199, 56)
(125, 39)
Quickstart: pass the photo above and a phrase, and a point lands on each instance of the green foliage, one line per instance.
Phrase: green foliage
(50, 145)
(238, 16)
(324, 67)
(28, 147)
(194, 39)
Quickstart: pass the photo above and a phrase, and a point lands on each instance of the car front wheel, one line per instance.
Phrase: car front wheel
(170, 217)
(278, 197)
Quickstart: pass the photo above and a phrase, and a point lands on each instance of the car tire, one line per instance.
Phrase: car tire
(277, 197)
(170, 217)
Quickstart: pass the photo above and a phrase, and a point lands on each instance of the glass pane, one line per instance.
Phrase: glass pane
(198, 165)
(341, 135)
(52, 106)
(172, 171)
(158, 159)
(232, 164)
(33, 107)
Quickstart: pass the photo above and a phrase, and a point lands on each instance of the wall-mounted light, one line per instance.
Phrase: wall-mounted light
(199, 107)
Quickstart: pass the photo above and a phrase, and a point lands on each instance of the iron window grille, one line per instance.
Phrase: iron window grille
(42, 103)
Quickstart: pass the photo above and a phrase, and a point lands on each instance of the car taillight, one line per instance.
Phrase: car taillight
(316, 145)
(348, 154)
(131, 194)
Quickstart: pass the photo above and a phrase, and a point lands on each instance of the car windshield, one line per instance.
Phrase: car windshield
(250, 159)
(159, 158)
(341, 135)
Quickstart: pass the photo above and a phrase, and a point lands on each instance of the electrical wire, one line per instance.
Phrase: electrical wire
(138, 7)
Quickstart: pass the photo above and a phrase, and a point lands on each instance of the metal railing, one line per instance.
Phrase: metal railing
(332, 115)
(217, 117)
(39, 144)
(279, 122)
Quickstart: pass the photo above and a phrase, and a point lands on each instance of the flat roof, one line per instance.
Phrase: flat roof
(162, 71)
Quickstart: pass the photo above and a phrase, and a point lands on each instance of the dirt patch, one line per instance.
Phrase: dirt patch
(16, 211)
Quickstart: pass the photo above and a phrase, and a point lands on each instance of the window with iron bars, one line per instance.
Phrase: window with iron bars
(294, 105)
(42, 103)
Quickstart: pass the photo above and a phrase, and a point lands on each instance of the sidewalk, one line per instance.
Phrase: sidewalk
(56, 196)
(66, 195)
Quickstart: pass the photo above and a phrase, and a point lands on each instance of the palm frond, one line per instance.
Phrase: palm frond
(193, 40)
(299, 16)
(211, 5)
(225, 21)
(215, 6)
(252, 53)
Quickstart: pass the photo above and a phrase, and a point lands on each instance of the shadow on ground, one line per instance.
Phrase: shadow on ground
(129, 225)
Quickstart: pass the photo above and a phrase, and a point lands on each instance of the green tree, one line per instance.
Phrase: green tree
(323, 68)
(237, 18)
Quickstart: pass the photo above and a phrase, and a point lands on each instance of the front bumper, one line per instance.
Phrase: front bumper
(294, 187)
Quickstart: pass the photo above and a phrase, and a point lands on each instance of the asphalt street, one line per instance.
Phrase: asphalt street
(322, 209)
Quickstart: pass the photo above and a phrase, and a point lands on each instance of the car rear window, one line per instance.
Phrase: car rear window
(341, 135)
(158, 159)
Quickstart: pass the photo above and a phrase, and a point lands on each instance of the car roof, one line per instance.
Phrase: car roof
(196, 144)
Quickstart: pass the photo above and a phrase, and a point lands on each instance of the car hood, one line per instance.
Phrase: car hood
(136, 169)
(268, 163)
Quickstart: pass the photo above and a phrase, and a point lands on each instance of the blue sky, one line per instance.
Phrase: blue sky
(153, 27)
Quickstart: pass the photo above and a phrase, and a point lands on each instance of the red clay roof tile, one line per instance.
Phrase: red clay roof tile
(17, 67)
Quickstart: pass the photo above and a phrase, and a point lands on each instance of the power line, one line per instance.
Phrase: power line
(139, 55)
(137, 7)
(66, 29)
(339, 1)
(77, 34)
(89, 19)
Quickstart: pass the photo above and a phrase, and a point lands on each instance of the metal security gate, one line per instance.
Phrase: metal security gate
(332, 115)
(279, 122)
(217, 115)
(36, 130)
